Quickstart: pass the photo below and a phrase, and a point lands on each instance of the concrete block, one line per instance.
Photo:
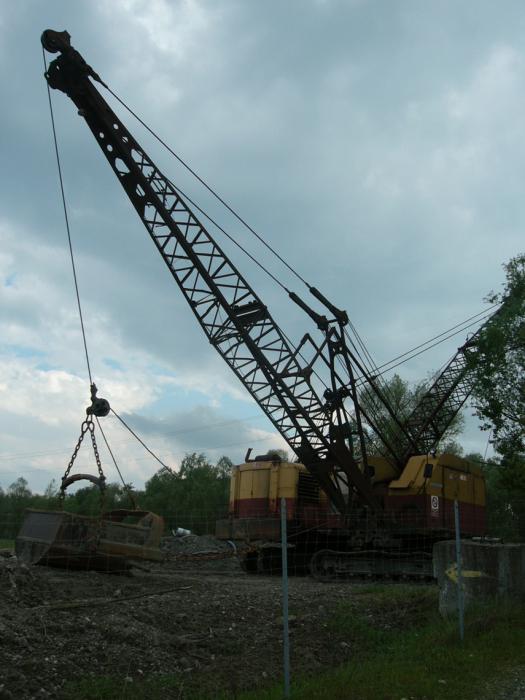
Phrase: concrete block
(490, 571)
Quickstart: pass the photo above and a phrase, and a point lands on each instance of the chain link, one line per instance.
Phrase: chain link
(83, 429)
(87, 426)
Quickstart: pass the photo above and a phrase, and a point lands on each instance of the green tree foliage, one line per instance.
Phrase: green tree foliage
(403, 398)
(193, 498)
(13, 503)
(499, 367)
(87, 500)
(505, 483)
(18, 490)
(499, 399)
(16, 500)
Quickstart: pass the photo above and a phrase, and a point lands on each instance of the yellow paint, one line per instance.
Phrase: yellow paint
(452, 477)
(275, 472)
(270, 480)
(452, 573)
(383, 470)
(409, 476)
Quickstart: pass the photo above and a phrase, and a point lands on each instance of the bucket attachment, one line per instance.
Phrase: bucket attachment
(71, 541)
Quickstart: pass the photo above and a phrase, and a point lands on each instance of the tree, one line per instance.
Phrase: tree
(51, 491)
(403, 398)
(18, 498)
(499, 365)
(18, 489)
(87, 500)
(194, 496)
(224, 467)
(505, 484)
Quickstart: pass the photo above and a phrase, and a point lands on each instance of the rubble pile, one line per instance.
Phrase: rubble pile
(19, 583)
(63, 631)
(201, 552)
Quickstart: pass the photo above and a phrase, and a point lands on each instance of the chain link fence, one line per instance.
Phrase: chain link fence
(200, 615)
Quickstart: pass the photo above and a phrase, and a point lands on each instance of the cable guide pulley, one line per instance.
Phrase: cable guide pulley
(99, 407)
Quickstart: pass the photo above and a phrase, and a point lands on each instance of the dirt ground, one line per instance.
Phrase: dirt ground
(221, 631)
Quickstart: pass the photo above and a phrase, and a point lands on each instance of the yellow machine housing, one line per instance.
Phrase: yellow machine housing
(421, 497)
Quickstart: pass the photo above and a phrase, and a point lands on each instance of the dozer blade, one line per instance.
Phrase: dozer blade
(71, 541)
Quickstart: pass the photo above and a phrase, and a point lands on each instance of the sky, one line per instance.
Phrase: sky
(378, 146)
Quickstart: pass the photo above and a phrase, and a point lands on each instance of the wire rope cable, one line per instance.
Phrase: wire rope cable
(358, 346)
(224, 203)
(229, 236)
(124, 484)
(72, 256)
(208, 187)
(55, 140)
(476, 318)
(165, 466)
(369, 363)
(388, 366)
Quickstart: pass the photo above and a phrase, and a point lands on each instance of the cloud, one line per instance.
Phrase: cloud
(379, 153)
(43, 378)
(203, 427)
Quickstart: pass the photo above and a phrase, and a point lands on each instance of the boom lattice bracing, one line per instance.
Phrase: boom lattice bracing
(233, 317)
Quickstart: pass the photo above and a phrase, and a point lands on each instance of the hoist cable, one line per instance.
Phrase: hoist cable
(73, 266)
(267, 245)
(126, 487)
(388, 394)
(246, 252)
(208, 187)
(228, 207)
(228, 235)
(480, 316)
(416, 354)
(222, 201)
(262, 267)
(67, 220)
(458, 328)
(141, 442)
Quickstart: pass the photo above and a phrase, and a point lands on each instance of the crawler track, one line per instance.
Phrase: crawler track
(330, 565)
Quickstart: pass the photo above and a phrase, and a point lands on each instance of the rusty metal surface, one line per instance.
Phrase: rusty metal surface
(69, 540)
(248, 529)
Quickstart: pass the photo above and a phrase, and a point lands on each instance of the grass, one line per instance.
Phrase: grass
(7, 544)
(421, 662)
(401, 648)
(111, 688)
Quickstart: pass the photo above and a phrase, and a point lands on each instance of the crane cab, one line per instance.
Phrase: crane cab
(423, 495)
(256, 490)
(419, 500)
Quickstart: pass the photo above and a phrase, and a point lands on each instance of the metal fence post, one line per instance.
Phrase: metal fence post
(286, 634)
(459, 568)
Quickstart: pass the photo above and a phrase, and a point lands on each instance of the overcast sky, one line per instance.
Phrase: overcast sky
(377, 145)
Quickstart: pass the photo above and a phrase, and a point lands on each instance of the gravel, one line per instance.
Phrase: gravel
(510, 686)
(203, 553)
(218, 631)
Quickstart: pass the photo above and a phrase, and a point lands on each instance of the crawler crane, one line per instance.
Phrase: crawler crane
(345, 506)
